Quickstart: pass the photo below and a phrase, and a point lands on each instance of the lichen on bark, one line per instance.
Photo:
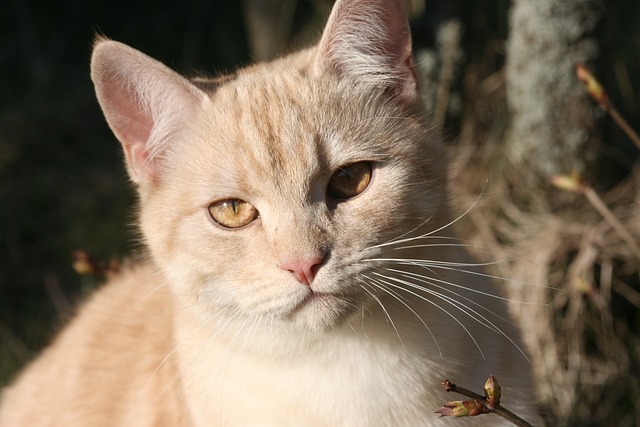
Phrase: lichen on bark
(553, 123)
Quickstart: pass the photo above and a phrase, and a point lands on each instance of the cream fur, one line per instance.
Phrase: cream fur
(210, 331)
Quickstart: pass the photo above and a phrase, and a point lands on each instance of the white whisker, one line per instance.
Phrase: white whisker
(399, 239)
(224, 365)
(376, 299)
(432, 232)
(451, 300)
(450, 266)
(422, 297)
(430, 281)
(167, 357)
(466, 309)
(395, 295)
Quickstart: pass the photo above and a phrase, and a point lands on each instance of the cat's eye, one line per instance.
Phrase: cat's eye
(232, 213)
(350, 180)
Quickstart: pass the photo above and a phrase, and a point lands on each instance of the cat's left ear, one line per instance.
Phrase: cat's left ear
(144, 103)
(370, 40)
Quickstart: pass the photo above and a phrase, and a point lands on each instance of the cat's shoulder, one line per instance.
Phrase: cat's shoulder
(133, 298)
(126, 325)
(130, 296)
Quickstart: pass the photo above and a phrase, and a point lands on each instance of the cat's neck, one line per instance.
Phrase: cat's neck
(247, 357)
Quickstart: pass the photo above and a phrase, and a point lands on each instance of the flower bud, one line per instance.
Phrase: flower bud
(462, 408)
(492, 391)
(592, 85)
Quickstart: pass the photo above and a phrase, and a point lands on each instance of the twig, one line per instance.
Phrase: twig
(14, 343)
(624, 125)
(85, 263)
(575, 184)
(448, 46)
(451, 387)
(495, 409)
(58, 298)
(602, 208)
(597, 92)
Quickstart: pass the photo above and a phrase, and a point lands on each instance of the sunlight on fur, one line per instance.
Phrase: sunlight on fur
(302, 267)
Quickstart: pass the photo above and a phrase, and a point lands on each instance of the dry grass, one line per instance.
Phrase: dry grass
(583, 328)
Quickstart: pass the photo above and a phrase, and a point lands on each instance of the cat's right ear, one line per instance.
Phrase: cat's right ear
(143, 101)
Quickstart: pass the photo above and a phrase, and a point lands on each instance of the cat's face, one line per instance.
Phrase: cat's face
(275, 170)
(271, 193)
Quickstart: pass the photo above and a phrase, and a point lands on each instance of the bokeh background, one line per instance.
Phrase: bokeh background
(63, 186)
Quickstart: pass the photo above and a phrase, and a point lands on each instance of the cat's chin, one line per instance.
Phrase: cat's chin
(320, 312)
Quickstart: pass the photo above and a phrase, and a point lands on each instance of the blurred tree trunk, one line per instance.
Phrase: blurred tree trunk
(555, 130)
(553, 123)
(276, 26)
(269, 25)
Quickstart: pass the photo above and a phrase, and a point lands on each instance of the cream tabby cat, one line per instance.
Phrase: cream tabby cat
(302, 268)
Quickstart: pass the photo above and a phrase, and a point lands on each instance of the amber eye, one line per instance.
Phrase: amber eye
(350, 180)
(232, 213)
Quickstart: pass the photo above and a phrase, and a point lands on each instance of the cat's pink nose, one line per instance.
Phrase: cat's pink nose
(305, 269)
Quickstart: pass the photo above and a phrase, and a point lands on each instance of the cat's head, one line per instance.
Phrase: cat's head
(273, 191)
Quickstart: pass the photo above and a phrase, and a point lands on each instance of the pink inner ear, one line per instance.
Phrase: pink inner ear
(370, 39)
(398, 33)
(144, 102)
(129, 120)
(134, 126)
(136, 123)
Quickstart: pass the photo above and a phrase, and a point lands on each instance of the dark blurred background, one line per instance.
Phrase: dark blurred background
(63, 186)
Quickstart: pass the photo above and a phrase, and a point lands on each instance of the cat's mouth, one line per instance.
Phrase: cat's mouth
(322, 310)
(317, 298)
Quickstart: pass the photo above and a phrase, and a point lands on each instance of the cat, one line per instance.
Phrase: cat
(302, 267)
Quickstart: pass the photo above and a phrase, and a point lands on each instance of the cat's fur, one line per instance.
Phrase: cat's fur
(217, 328)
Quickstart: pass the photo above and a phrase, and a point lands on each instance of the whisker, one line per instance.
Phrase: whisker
(395, 295)
(399, 239)
(447, 245)
(422, 297)
(411, 275)
(178, 375)
(243, 346)
(167, 356)
(452, 266)
(375, 298)
(466, 309)
(430, 281)
(461, 306)
(223, 366)
(437, 230)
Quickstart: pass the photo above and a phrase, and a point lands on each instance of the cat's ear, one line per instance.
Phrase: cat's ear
(370, 40)
(143, 101)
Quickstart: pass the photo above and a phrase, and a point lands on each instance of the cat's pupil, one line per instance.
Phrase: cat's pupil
(232, 213)
(349, 180)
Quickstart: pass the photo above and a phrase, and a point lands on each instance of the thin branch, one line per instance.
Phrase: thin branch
(574, 183)
(597, 92)
(496, 409)
(606, 213)
(622, 123)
